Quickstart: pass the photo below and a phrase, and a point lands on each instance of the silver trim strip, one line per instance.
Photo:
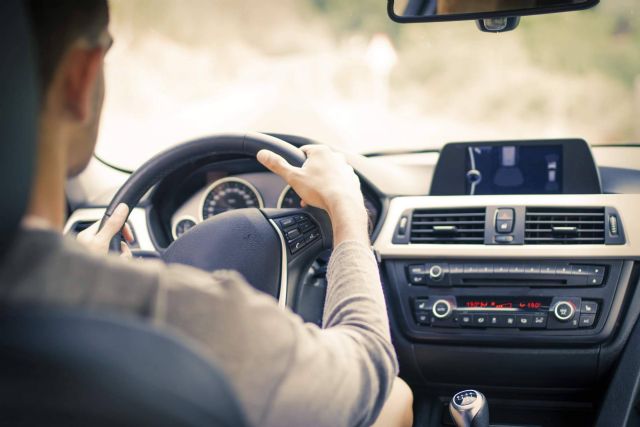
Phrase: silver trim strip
(282, 295)
(627, 205)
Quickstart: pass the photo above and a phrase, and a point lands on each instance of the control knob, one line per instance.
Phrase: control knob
(564, 310)
(442, 309)
(436, 273)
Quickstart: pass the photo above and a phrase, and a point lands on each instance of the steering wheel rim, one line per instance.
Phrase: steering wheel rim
(291, 264)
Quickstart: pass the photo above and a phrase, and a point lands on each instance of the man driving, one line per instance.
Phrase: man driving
(284, 372)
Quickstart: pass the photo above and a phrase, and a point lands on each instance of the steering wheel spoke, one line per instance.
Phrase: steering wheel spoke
(303, 234)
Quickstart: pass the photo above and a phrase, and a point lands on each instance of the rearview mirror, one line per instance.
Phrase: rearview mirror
(487, 11)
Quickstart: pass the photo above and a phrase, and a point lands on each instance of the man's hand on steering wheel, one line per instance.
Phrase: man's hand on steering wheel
(328, 182)
(97, 240)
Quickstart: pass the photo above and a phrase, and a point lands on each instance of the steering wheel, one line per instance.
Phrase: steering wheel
(271, 248)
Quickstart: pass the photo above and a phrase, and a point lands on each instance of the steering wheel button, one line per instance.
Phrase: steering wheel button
(292, 234)
(310, 237)
(287, 222)
(297, 245)
(306, 226)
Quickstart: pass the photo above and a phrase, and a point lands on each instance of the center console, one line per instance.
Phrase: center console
(507, 301)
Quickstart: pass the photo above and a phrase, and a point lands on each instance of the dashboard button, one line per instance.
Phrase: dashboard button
(417, 269)
(578, 276)
(516, 268)
(548, 269)
(532, 268)
(456, 268)
(501, 268)
(493, 320)
(563, 270)
(504, 226)
(524, 321)
(423, 318)
(539, 320)
(418, 279)
(421, 305)
(589, 307)
(480, 320)
(465, 320)
(486, 268)
(472, 268)
(507, 321)
(595, 280)
(505, 214)
(504, 238)
(587, 320)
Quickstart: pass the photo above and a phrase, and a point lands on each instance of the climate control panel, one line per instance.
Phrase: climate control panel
(506, 301)
(505, 312)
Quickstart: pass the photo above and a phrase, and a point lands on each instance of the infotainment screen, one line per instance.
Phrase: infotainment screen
(514, 169)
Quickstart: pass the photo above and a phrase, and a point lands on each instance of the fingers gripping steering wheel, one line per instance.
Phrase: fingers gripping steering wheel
(271, 248)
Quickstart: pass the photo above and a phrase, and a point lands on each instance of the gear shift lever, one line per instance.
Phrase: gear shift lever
(469, 408)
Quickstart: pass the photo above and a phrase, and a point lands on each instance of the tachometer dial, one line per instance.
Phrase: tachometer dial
(227, 194)
(183, 225)
(289, 198)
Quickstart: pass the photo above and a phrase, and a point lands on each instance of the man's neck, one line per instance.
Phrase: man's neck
(47, 202)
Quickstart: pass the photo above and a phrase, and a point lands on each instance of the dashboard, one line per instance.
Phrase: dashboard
(487, 259)
(224, 190)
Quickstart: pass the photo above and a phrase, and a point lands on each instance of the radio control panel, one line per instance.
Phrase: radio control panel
(508, 273)
(507, 301)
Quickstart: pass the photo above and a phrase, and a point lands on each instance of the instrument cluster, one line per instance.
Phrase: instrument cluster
(244, 191)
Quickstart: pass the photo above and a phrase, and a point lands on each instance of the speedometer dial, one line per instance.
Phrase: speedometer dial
(228, 194)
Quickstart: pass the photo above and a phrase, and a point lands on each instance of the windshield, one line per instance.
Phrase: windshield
(341, 72)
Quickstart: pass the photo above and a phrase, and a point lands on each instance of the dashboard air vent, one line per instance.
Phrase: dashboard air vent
(448, 226)
(564, 226)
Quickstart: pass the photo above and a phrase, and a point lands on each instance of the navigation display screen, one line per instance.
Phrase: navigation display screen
(514, 169)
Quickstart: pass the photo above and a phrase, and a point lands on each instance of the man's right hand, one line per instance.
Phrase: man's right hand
(328, 182)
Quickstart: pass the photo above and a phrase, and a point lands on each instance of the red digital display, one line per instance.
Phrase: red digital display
(509, 304)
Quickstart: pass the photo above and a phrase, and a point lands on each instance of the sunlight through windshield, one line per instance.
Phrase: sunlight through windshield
(342, 73)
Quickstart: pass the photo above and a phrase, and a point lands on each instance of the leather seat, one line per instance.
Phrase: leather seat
(75, 368)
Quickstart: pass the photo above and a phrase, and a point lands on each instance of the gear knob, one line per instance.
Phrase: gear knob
(469, 408)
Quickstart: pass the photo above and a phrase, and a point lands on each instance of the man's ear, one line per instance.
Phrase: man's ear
(82, 68)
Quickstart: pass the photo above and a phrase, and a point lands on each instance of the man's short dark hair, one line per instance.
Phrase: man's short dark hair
(59, 23)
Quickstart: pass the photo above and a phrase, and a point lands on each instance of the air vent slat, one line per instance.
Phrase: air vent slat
(448, 226)
(564, 226)
(448, 222)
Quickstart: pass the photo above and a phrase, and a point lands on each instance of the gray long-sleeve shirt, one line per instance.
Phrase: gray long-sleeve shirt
(285, 372)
